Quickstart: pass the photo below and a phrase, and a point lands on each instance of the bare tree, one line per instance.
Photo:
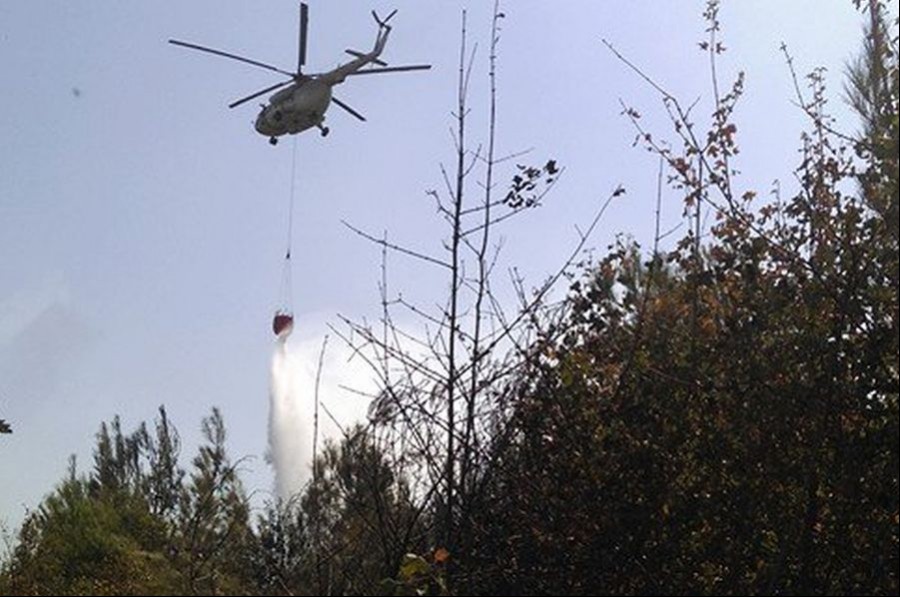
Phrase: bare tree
(444, 388)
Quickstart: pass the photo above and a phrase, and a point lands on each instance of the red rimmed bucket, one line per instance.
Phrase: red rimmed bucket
(282, 323)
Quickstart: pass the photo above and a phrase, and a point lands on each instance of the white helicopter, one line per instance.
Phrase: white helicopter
(303, 104)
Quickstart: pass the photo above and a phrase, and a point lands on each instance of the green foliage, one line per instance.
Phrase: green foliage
(140, 525)
(134, 526)
(719, 419)
(79, 542)
(418, 576)
(873, 89)
(724, 418)
(212, 535)
(283, 555)
(361, 520)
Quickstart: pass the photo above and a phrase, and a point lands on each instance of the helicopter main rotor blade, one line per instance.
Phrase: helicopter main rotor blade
(185, 44)
(259, 93)
(391, 69)
(304, 23)
(348, 108)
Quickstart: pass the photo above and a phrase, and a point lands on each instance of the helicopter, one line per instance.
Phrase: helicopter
(302, 104)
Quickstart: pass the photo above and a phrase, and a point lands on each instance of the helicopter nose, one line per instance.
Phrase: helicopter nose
(261, 125)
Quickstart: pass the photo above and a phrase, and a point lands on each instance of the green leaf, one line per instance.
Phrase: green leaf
(413, 566)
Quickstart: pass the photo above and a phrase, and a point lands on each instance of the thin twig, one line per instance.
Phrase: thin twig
(398, 248)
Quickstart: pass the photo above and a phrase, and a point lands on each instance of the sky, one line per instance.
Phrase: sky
(143, 223)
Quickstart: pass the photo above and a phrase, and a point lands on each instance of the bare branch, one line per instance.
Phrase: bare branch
(393, 247)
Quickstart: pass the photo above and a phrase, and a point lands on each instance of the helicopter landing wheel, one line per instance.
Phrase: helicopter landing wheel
(273, 140)
(325, 131)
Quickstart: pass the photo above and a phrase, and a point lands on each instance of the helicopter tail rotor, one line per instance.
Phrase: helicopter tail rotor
(383, 23)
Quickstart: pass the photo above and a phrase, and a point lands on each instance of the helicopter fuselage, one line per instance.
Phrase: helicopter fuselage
(303, 99)
(295, 109)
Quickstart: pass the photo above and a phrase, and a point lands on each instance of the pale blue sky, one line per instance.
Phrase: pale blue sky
(142, 222)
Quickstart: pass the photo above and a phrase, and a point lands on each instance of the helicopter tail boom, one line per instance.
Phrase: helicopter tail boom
(358, 54)
(338, 75)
